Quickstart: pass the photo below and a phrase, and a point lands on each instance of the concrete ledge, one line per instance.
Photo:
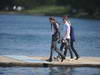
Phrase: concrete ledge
(30, 61)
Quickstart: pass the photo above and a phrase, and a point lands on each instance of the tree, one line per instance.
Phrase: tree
(7, 4)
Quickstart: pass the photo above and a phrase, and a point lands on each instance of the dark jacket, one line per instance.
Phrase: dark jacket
(72, 35)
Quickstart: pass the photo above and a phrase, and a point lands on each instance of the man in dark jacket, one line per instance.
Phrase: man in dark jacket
(72, 42)
(55, 38)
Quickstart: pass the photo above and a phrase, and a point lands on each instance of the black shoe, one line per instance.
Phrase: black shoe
(62, 58)
(50, 60)
(77, 57)
(71, 57)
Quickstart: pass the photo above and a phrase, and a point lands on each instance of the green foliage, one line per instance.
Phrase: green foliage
(79, 4)
(7, 4)
(89, 7)
(49, 10)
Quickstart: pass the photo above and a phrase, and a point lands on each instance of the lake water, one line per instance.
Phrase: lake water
(30, 35)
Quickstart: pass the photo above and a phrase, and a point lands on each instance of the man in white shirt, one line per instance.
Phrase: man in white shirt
(66, 38)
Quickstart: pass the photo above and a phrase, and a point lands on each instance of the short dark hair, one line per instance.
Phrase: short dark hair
(65, 17)
(51, 18)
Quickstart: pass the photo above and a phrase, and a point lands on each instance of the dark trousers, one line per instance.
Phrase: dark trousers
(66, 46)
(73, 49)
(54, 48)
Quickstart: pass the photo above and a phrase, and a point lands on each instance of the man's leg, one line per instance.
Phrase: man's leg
(67, 46)
(76, 54)
(70, 50)
(52, 49)
(62, 47)
(60, 52)
(50, 58)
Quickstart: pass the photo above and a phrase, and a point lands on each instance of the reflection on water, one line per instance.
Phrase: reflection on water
(49, 71)
(60, 71)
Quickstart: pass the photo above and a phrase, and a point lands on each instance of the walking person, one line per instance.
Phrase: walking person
(65, 42)
(55, 38)
(72, 39)
(72, 42)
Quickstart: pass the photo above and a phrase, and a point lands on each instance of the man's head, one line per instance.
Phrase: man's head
(52, 19)
(65, 18)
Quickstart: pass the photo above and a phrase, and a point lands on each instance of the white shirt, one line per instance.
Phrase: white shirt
(66, 30)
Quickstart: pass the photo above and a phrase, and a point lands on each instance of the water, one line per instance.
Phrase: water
(24, 35)
(30, 35)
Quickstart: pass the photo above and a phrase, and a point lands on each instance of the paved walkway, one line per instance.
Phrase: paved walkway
(31, 61)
